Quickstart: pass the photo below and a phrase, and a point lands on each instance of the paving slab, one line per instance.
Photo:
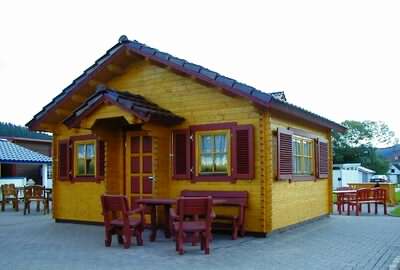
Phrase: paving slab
(35, 241)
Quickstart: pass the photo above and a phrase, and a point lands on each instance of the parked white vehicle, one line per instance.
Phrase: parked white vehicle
(379, 178)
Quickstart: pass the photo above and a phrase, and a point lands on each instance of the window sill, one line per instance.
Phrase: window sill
(213, 178)
(299, 178)
(87, 178)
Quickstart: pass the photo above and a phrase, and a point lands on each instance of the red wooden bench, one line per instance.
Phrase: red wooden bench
(379, 197)
(237, 199)
(363, 196)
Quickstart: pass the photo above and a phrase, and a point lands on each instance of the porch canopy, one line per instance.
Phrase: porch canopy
(134, 108)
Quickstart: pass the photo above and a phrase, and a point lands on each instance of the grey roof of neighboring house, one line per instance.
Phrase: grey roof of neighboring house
(232, 86)
(13, 153)
(352, 165)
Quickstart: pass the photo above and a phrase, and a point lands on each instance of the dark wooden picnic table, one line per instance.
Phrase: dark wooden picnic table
(166, 203)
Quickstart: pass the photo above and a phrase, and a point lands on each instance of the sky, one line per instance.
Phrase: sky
(340, 59)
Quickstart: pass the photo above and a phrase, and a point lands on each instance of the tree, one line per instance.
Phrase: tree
(11, 130)
(358, 144)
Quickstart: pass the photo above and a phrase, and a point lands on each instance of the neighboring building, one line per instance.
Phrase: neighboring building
(158, 125)
(343, 174)
(12, 156)
(35, 141)
(394, 173)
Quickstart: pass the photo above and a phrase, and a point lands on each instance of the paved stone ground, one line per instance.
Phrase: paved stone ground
(338, 242)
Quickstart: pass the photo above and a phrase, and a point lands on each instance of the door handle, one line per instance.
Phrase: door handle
(152, 178)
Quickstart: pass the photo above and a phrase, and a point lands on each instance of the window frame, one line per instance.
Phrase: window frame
(210, 128)
(198, 153)
(302, 140)
(76, 159)
(316, 140)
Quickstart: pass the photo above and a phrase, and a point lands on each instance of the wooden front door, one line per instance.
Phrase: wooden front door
(139, 166)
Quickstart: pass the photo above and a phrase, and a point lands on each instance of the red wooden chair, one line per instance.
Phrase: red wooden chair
(199, 211)
(363, 196)
(236, 199)
(118, 220)
(342, 199)
(379, 197)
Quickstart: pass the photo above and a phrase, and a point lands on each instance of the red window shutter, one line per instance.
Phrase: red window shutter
(285, 154)
(64, 160)
(181, 154)
(322, 158)
(100, 158)
(243, 152)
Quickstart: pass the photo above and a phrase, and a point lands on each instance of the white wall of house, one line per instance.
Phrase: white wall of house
(343, 174)
(394, 174)
(17, 181)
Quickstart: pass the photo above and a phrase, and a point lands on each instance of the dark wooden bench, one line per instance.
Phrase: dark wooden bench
(237, 199)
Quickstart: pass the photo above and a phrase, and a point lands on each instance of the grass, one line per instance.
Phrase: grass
(396, 212)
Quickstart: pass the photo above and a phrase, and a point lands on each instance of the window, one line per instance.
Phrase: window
(85, 158)
(81, 158)
(302, 156)
(213, 152)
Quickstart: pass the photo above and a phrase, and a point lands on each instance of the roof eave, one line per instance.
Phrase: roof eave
(304, 115)
(34, 123)
(11, 161)
(259, 98)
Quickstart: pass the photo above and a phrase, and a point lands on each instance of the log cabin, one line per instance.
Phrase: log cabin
(144, 123)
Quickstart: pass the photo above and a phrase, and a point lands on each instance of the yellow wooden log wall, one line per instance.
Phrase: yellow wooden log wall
(198, 104)
(297, 201)
(272, 205)
(75, 200)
